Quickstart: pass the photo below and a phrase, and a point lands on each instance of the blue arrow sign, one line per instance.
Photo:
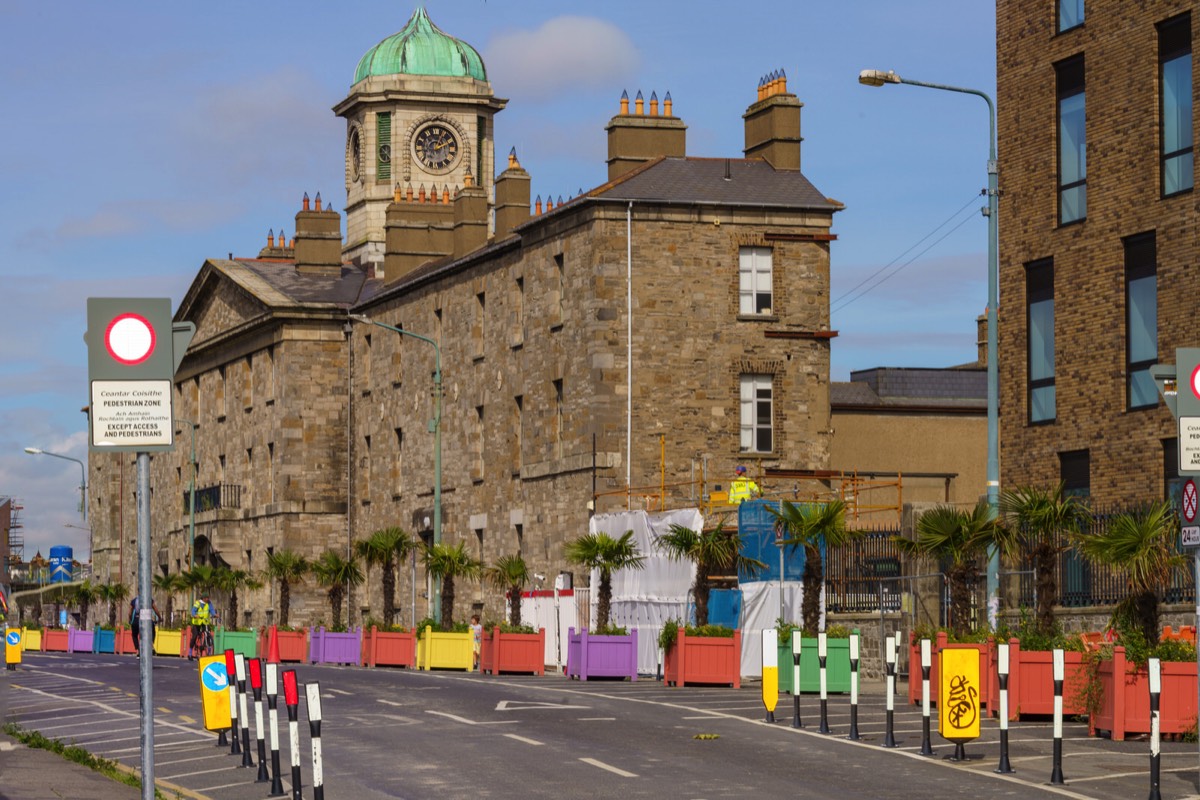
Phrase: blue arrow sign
(215, 678)
(13, 638)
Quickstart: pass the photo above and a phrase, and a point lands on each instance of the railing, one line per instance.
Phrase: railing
(862, 574)
(210, 498)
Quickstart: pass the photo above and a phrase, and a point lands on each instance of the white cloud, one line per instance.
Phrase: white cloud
(565, 53)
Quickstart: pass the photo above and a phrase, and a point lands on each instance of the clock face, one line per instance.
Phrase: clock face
(436, 147)
(355, 154)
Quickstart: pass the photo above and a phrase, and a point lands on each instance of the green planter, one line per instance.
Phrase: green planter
(837, 666)
(244, 642)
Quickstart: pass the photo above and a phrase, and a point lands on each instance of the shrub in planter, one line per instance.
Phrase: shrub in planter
(979, 640)
(837, 659)
(610, 652)
(1118, 700)
(701, 654)
(1031, 669)
(519, 649)
(388, 645)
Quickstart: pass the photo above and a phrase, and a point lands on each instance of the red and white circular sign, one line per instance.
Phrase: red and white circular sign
(130, 339)
(1190, 500)
(1196, 381)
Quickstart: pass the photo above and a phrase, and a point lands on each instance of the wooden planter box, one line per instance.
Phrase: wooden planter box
(327, 647)
(54, 640)
(987, 674)
(293, 645)
(31, 639)
(389, 648)
(601, 656)
(513, 652)
(79, 641)
(244, 642)
(441, 650)
(1031, 682)
(124, 637)
(104, 641)
(704, 659)
(837, 666)
(168, 642)
(1125, 705)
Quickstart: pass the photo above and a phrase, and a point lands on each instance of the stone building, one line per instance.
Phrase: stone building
(627, 346)
(1098, 236)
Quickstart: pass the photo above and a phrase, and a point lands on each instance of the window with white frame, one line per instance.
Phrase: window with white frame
(756, 414)
(754, 280)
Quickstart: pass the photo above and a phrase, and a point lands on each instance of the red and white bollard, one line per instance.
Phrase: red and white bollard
(291, 699)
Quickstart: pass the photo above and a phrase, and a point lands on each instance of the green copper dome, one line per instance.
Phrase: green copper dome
(422, 48)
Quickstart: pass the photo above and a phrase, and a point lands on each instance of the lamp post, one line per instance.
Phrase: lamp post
(191, 509)
(875, 77)
(435, 426)
(37, 451)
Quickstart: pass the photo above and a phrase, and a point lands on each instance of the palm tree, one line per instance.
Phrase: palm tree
(286, 567)
(114, 594)
(201, 578)
(1033, 521)
(599, 551)
(231, 580)
(961, 537)
(170, 585)
(713, 551)
(335, 572)
(810, 525)
(386, 547)
(510, 574)
(85, 594)
(447, 563)
(1142, 543)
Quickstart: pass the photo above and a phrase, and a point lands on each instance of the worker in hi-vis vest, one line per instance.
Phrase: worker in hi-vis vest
(742, 488)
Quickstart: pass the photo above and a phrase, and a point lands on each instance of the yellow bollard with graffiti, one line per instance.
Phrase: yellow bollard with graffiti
(959, 698)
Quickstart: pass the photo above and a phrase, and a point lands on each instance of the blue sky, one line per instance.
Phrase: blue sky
(141, 138)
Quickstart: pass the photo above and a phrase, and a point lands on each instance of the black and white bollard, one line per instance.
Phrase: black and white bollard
(235, 746)
(244, 716)
(1155, 669)
(822, 655)
(854, 688)
(889, 652)
(256, 685)
(926, 665)
(796, 723)
(1056, 774)
(1002, 659)
(313, 693)
(291, 699)
(273, 725)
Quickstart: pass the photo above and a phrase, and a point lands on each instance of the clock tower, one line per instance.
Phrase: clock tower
(420, 114)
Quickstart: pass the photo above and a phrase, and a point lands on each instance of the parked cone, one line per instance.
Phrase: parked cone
(273, 648)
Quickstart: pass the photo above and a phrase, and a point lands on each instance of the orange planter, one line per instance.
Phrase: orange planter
(1031, 682)
(389, 648)
(513, 652)
(704, 659)
(293, 645)
(987, 674)
(54, 640)
(1125, 706)
(124, 645)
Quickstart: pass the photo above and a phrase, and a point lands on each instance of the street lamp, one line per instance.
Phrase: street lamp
(191, 508)
(37, 451)
(435, 426)
(875, 77)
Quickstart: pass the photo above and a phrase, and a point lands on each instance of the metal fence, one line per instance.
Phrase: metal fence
(862, 575)
(221, 495)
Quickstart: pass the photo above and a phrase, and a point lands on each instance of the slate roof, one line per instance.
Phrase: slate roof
(899, 387)
(278, 283)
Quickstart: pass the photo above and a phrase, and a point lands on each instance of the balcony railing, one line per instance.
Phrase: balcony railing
(210, 498)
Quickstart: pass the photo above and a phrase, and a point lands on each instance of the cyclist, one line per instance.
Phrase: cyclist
(201, 616)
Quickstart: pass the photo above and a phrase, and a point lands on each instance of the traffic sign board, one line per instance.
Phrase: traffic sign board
(13, 637)
(1189, 500)
(214, 694)
(1189, 536)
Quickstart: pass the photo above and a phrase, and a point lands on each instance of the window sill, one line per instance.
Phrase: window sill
(758, 318)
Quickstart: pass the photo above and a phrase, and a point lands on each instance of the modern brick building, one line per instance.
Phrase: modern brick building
(637, 340)
(1098, 239)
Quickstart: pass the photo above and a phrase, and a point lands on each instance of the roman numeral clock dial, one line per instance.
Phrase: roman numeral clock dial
(436, 147)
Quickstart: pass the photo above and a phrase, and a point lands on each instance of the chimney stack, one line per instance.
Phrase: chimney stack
(512, 197)
(773, 124)
(634, 139)
(318, 243)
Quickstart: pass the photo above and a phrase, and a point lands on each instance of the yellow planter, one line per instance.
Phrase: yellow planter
(437, 650)
(31, 640)
(167, 642)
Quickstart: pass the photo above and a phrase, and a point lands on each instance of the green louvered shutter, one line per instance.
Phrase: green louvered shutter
(383, 134)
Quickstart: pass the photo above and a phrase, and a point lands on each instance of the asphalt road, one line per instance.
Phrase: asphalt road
(404, 734)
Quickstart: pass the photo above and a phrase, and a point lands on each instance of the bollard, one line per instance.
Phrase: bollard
(854, 688)
(1056, 774)
(770, 671)
(822, 654)
(796, 646)
(235, 747)
(889, 650)
(926, 665)
(313, 692)
(240, 665)
(256, 685)
(273, 720)
(1002, 655)
(291, 699)
(1155, 669)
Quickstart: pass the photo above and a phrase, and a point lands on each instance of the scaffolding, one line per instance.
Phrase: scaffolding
(16, 537)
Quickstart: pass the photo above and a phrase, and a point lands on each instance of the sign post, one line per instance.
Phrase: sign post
(958, 698)
(770, 672)
(12, 647)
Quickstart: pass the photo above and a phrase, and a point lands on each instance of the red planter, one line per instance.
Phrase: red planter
(513, 652)
(124, 645)
(987, 674)
(1031, 682)
(54, 640)
(1125, 706)
(293, 645)
(389, 648)
(704, 659)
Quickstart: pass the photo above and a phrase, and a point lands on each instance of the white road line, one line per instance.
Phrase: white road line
(339, 691)
(597, 719)
(198, 772)
(391, 703)
(160, 762)
(466, 721)
(524, 739)
(705, 716)
(609, 767)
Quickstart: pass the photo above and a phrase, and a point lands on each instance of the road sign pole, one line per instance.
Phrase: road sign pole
(145, 620)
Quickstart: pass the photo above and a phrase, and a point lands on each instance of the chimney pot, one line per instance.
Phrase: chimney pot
(305, 205)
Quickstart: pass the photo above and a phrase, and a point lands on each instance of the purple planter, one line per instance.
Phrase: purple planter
(601, 656)
(79, 641)
(335, 648)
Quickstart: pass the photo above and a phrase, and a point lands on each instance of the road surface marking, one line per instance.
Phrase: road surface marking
(522, 705)
(1127, 774)
(597, 719)
(187, 719)
(392, 703)
(524, 739)
(466, 721)
(339, 691)
(608, 767)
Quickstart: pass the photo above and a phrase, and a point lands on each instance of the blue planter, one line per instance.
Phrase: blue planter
(104, 641)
